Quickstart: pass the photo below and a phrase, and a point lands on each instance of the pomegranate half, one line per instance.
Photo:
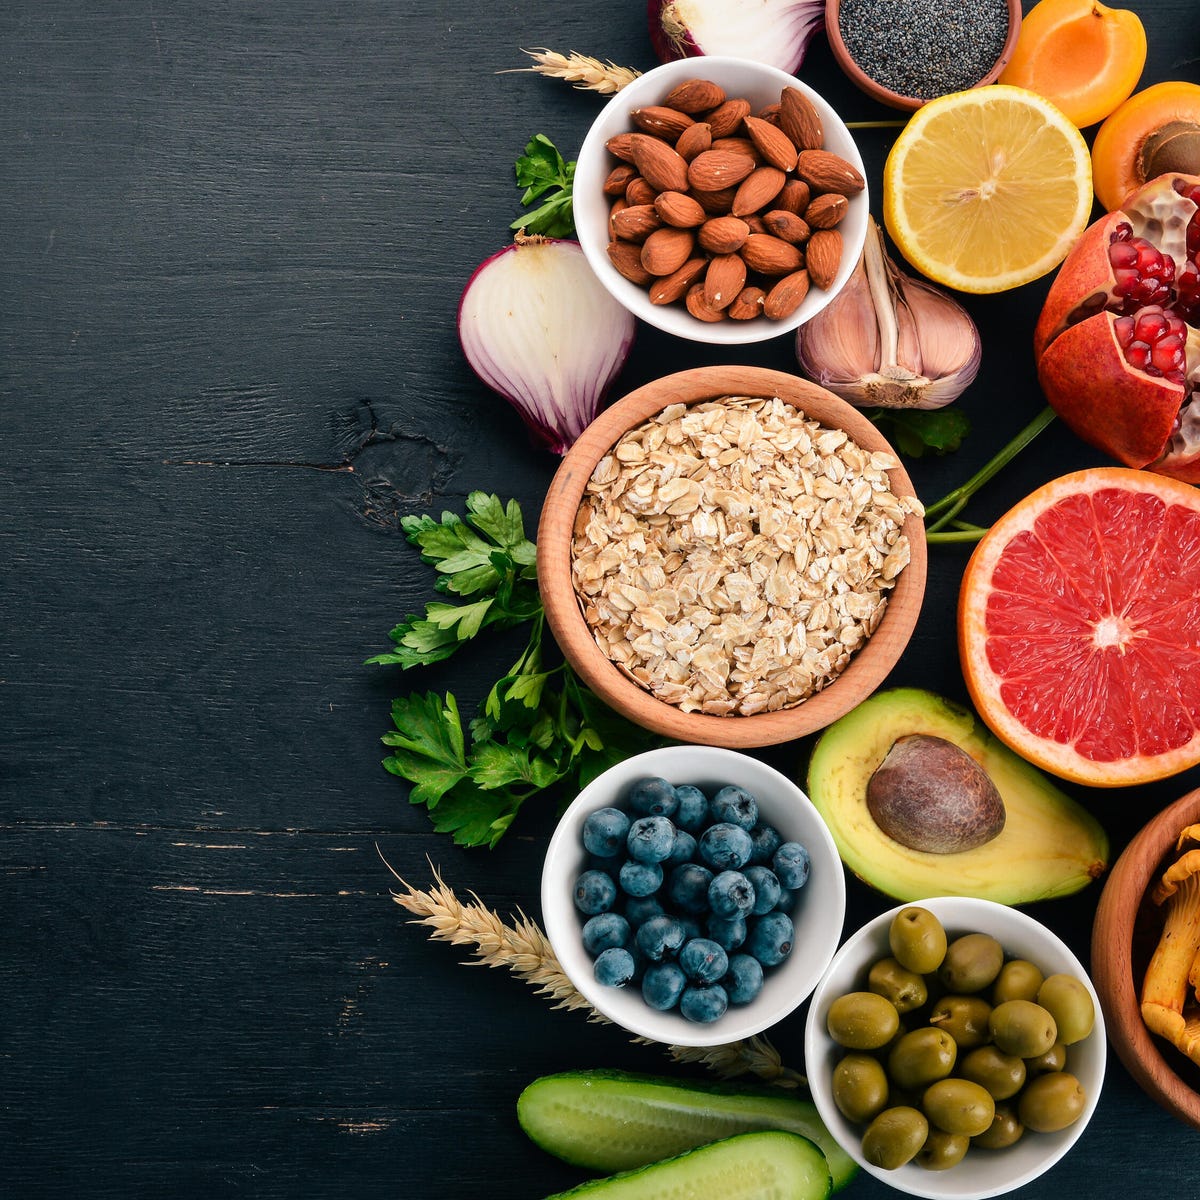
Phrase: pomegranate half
(1118, 340)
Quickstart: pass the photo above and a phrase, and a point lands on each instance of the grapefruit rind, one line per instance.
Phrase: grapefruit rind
(985, 685)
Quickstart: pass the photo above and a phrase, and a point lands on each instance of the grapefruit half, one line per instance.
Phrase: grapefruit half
(1079, 627)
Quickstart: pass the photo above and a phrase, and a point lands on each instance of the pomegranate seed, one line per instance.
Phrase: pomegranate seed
(1154, 340)
(1150, 325)
(1123, 254)
(1167, 353)
(1137, 354)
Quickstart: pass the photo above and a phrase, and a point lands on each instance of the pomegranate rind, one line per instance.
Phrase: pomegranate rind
(1153, 680)
(1131, 417)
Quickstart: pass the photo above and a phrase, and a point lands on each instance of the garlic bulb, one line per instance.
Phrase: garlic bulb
(888, 340)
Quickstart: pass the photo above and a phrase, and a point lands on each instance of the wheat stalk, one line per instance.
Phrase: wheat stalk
(524, 949)
(587, 74)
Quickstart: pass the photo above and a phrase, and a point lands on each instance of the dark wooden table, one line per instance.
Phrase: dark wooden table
(234, 238)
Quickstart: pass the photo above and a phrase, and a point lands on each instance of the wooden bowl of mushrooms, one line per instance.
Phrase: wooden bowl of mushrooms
(1146, 958)
(731, 556)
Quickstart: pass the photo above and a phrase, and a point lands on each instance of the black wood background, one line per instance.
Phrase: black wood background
(233, 237)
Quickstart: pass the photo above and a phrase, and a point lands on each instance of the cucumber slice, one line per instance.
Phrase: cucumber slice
(615, 1121)
(749, 1166)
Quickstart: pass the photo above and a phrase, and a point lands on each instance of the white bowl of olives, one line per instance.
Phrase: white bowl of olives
(955, 1048)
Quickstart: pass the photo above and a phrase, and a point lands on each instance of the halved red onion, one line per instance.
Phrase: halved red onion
(775, 32)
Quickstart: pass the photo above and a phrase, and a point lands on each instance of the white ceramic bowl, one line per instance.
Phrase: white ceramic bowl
(818, 915)
(983, 1173)
(761, 85)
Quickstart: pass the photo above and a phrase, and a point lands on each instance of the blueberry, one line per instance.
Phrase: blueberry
(703, 1004)
(770, 938)
(650, 839)
(691, 928)
(640, 879)
(595, 892)
(728, 932)
(642, 908)
(725, 847)
(764, 841)
(687, 887)
(662, 985)
(604, 832)
(730, 894)
(703, 960)
(693, 808)
(786, 901)
(660, 937)
(683, 849)
(791, 864)
(735, 805)
(613, 967)
(766, 889)
(744, 979)
(604, 930)
(653, 798)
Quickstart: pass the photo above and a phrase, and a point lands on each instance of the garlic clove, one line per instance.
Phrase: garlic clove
(949, 340)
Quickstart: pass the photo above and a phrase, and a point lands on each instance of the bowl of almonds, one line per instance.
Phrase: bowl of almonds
(720, 200)
(731, 556)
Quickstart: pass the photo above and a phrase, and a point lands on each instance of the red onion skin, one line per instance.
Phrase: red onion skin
(668, 49)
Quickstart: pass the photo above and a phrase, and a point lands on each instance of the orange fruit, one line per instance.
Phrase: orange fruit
(1079, 627)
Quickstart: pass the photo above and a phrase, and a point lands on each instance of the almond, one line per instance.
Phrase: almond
(825, 171)
(825, 211)
(726, 119)
(715, 203)
(769, 113)
(773, 144)
(620, 204)
(697, 307)
(672, 287)
(667, 249)
(748, 304)
(660, 166)
(757, 190)
(786, 225)
(723, 235)
(755, 223)
(661, 121)
(679, 210)
(799, 119)
(695, 95)
(627, 258)
(635, 223)
(794, 197)
(638, 191)
(695, 139)
(767, 255)
(742, 145)
(716, 169)
(824, 254)
(620, 145)
(725, 277)
(786, 296)
(618, 179)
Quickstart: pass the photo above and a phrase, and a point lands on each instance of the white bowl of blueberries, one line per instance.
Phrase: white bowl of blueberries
(693, 895)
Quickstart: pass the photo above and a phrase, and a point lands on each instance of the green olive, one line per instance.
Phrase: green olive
(895, 1137)
(862, 1021)
(964, 1018)
(1069, 1002)
(1005, 1130)
(1055, 1059)
(904, 988)
(1019, 979)
(860, 1087)
(958, 1106)
(1001, 1075)
(1051, 1102)
(1022, 1028)
(942, 1150)
(917, 939)
(921, 1057)
(972, 963)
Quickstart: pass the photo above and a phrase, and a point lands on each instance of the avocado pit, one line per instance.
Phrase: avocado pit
(930, 795)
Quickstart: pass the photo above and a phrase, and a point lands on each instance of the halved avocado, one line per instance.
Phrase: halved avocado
(1050, 846)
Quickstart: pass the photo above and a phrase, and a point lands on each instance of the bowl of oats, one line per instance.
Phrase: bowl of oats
(731, 556)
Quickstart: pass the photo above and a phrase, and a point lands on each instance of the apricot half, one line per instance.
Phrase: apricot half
(1082, 56)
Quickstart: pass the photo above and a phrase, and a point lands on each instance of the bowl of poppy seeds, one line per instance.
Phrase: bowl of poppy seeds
(906, 52)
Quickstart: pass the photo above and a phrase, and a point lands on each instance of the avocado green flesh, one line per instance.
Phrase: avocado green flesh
(749, 1166)
(615, 1121)
(1050, 846)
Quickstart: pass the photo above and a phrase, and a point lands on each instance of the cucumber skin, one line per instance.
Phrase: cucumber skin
(660, 1179)
(743, 1104)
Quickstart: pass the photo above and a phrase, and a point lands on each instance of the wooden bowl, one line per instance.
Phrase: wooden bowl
(885, 95)
(1124, 935)
(868, 667)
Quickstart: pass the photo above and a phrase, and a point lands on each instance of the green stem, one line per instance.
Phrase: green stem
(876, 124)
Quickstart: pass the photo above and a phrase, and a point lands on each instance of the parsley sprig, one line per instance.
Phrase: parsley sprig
(545, 176)
(538, 726)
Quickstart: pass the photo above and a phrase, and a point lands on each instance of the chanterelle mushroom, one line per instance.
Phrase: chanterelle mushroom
(1175, 966)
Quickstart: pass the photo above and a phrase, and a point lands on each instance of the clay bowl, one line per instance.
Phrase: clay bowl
(885, 95)
(868, 667)
(1124, 935)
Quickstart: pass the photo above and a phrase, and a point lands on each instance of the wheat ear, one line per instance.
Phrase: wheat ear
(587, 74)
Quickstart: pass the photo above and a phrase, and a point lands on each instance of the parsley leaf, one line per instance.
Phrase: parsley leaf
(913, 431)
(545, 176)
